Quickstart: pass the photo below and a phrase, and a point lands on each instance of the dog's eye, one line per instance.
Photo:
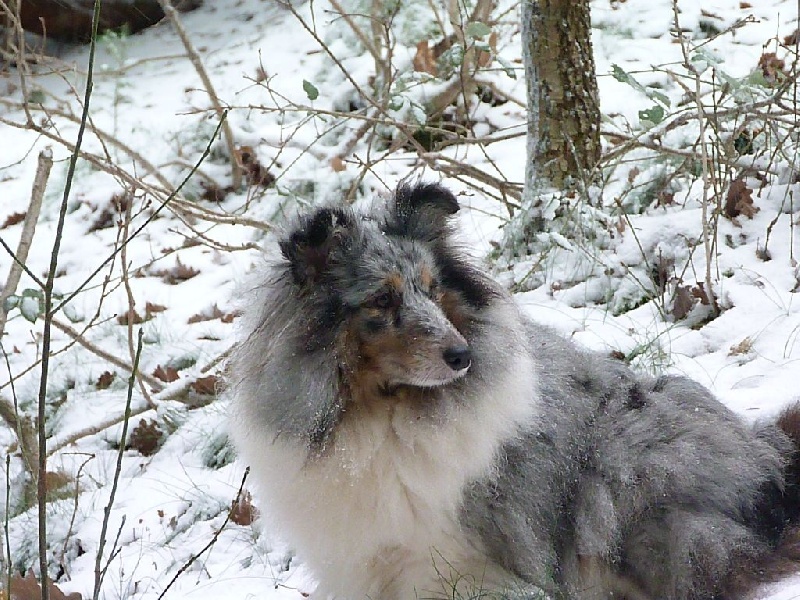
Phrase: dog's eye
(383, 300)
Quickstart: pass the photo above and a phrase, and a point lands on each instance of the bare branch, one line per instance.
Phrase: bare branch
(172, 15)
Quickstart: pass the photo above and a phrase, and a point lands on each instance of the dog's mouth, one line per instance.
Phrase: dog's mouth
(434, 376)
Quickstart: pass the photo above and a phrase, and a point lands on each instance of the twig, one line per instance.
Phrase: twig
(213, 540)
(138, 230)
(172, 15)
(74, 507)
(704, 158)
(28, 229)
(5, 527)
(123, 259)
(98, 574)
(370, 47)
(22, 426)
(107, 356)
(172, 393)
(41, 489)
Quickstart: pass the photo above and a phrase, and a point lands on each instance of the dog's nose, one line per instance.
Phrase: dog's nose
(457, 357)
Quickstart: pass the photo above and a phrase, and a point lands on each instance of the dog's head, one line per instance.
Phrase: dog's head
(388, 291)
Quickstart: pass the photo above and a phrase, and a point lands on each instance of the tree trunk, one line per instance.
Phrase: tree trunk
(71, 20)
(563, 106)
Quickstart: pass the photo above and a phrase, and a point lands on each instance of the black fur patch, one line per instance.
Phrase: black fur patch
(636, 399)
(460, 276)
(308, 248)
(421, 211)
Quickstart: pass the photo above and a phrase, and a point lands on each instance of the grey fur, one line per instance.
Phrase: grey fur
(621, 486)
(664, 492)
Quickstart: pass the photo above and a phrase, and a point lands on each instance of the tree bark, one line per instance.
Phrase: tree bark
(563, 104)
(71, 20)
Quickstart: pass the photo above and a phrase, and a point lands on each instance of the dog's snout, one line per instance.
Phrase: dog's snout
(457, 357)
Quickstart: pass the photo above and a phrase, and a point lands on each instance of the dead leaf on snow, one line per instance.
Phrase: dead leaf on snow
(682, 303)
(424, 60)
(743, 347)
(739, 200)
(13, 219)
(242, 510)
(205, 386)
(130, 316)
(146, 437)
(207, 315)
(177, 274)
(28, 588)
(167, 375)
(105, 380)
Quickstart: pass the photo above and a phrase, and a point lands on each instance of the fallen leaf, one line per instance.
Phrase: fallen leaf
(207, 315)
(742, 347)
(132, 316)
(28, 588)
(177, 274)
(772, 67)
(682, 303)
(13, 219)
(424, 60)
(337, 164)
(242, 510)
(146, 437)
(167, 375)
(205, 386)
(739, 200)
(105, 380)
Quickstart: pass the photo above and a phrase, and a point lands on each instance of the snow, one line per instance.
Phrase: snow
(171, 504)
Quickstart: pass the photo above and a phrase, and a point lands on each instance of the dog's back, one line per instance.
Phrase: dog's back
(414, 436)
(651, 489)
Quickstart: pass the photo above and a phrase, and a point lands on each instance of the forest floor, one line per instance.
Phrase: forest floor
(623, 268)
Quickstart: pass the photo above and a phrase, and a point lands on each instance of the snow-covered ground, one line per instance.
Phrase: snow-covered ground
(183, 271)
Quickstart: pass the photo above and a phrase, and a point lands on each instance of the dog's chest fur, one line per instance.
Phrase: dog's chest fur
(388, 492)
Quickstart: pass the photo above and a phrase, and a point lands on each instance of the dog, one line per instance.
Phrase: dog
(413, 435)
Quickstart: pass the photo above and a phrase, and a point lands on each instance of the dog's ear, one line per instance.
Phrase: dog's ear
(310, 245)
(421, 211)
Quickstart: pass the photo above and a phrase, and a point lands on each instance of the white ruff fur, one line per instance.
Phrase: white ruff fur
(378, 516)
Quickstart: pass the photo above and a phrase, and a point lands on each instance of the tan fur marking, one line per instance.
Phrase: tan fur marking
(396, 281)
(426, 277)
(451, 305)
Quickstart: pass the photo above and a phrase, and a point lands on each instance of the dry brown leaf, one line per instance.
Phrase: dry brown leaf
(177, 274)
(167, 375)
(105, 380)
(205, 386)
(146, 437)
(207, 315)
(424, 60)
(683, 302)
(242, 510)
(13, 219)
(28, 588)
(337, 164)
(745, 5)
(152, 308)
(484, 59)
(132, 316)
(772, 67)
(742, 347)
(699, 292)
(739, 200)
(254, 172)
